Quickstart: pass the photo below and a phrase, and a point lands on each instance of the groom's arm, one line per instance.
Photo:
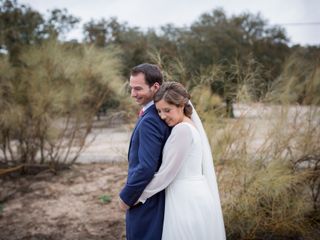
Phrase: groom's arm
(151, 141)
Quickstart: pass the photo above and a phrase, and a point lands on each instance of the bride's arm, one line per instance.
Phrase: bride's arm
(177, 148)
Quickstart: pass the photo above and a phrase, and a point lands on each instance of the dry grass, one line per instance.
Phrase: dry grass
(268, 163)
(263, 192)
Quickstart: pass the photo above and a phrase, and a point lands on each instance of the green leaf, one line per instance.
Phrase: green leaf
(105, 199)
(1, 208)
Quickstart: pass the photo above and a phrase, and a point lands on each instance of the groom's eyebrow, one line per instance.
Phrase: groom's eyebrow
(136, 87)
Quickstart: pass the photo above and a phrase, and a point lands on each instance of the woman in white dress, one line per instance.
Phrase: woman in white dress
(192, 203)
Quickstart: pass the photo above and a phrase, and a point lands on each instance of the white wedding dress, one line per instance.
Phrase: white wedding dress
(192, 204)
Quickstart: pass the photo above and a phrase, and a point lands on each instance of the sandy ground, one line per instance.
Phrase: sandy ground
(77, 203)
(108, 145)
(66, 205)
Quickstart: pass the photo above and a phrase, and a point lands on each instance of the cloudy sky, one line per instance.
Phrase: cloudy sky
(300, 18)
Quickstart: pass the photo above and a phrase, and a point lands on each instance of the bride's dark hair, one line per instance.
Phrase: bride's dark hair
(174, 93)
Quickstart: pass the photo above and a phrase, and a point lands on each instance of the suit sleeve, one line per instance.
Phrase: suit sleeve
(151, 141)
(174, 155)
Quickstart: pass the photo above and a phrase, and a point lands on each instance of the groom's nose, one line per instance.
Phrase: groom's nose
(133, 93)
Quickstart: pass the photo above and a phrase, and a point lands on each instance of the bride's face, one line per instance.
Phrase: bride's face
(170, 113)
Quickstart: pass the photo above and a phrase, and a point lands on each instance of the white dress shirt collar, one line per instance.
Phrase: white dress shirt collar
(149, 104)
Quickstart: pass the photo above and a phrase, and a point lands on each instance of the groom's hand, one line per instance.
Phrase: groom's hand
(122, 205)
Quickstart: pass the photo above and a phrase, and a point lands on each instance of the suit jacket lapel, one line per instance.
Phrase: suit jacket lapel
(136, 127)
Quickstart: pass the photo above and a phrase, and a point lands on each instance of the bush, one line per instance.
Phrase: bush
(267, 159)
(49, 102)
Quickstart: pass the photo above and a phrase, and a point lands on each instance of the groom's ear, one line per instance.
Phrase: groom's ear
(156, 86)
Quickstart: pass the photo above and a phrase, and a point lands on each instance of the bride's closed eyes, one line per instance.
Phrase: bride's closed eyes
(165, 110)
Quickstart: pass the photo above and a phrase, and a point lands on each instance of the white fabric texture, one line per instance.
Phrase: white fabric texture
(192, 205)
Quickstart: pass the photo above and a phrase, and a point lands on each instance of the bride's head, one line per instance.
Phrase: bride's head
(172, 103)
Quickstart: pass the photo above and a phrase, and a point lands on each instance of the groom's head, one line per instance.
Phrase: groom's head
(145, 80)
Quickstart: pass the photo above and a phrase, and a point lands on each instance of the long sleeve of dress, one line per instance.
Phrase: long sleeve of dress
(175, 151)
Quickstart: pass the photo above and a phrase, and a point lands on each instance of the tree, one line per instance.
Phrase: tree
(22, 26)
(59, 23)
(104, 32)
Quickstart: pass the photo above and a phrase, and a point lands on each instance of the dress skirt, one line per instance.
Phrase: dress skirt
(190, 212)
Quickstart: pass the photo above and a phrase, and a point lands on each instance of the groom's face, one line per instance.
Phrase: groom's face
(141, 92)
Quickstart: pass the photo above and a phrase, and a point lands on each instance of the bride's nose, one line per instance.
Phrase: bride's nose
(162, 116)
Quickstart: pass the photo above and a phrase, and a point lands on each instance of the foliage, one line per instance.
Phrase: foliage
(267, 158)
(234, 53)
(300, 80)
(102, 33)
(22, 26)
(49, 104)
(59, 22)
(268, 167)
(1, 208)
(235, 44)
(105, 199)
(267, 170)
(214, 39)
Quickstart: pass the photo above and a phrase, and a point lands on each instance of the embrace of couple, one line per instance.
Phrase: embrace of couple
(171, 190)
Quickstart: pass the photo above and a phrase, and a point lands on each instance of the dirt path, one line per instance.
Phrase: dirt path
(66, 205)
(107, 145)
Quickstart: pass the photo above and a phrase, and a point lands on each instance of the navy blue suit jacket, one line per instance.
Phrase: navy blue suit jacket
(145, 221)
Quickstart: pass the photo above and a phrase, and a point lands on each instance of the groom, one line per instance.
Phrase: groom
(144, 221)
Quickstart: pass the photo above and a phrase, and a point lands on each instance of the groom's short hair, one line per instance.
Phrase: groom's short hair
(151, 72)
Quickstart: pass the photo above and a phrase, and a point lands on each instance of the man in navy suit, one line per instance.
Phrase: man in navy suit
(144, 221)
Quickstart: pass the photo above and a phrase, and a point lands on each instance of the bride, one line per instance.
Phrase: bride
(192, 202)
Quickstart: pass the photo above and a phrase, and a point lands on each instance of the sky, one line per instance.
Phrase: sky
(300, 18)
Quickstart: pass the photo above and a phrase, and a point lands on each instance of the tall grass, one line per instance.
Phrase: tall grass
(264, 193)
(268, 162)
(299, 81)
(49, 102)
